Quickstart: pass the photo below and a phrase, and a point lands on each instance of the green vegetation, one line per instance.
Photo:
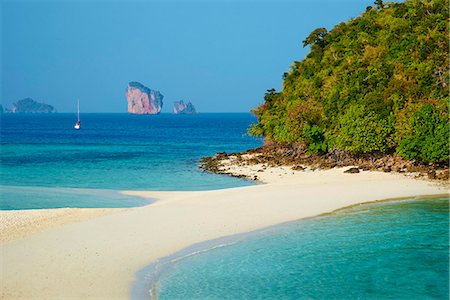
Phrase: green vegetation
(377, 83)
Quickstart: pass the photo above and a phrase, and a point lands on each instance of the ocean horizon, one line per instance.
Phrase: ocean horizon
(45, 163)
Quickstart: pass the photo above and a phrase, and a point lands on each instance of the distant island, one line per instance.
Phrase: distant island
(179, 107)
(143, 100)
(31, 106)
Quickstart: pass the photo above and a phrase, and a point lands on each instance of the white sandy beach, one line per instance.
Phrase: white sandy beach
(81, 254)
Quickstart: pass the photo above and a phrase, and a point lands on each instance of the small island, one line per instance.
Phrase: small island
(28, 105)
(179, 107)
(372, 92)
(143, 100)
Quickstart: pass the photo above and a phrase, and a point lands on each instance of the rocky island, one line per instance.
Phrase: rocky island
(179, 107)
(28, 105)
(143, 100)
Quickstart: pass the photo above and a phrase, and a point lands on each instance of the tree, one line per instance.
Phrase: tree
(428, 141)
(363, 86)
(379, 4)
(316, 38)
(363, 131)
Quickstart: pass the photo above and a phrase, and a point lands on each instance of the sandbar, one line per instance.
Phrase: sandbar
(98, 257)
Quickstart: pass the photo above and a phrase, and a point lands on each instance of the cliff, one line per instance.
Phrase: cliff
(143, 100)
(28, 105)
(179, 107)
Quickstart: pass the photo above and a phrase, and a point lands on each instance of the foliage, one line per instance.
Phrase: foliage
(368, 84)
(317, 37)
(364, 132)
(428, 140)
(315, 138)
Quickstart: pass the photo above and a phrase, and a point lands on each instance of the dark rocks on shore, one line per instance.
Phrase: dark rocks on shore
(297, 156)
(387, 169)
(443, 175)
(432, 174)
(211, 164)
(298, 168)
(352, 171)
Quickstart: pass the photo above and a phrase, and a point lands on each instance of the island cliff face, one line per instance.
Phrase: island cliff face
(28, 105)
(143, 100)
(179, 107)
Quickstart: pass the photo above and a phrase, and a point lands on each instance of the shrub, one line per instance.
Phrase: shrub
(363, 132)
(315, 139)
(428, 140)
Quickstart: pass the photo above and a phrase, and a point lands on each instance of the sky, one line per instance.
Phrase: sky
(220, 55)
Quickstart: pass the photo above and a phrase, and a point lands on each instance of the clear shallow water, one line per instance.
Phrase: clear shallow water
(397, 250)
(112, 152)
(25, 197)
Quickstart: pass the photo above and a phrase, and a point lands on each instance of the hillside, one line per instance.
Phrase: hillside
(375, 84)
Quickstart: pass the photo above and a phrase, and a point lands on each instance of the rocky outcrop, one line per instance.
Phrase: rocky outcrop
(179, 107)
(298, 157)
(28, 105)
(143, 100)
(352, 171)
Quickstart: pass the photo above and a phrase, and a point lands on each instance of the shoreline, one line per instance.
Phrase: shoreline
(297, 157)
(100, 256)
(145, 284)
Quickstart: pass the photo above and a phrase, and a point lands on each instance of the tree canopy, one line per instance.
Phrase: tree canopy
(377, 83)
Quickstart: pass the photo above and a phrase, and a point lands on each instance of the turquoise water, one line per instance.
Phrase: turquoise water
(25, 197)
(396, 250)
(45, 163)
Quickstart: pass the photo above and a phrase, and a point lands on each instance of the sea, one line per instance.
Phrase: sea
(45, 163)
(397, 250)
(388, 250)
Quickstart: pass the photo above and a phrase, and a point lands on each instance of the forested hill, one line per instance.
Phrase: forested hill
(377, 83)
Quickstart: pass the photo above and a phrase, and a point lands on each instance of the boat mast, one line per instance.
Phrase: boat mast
(78, 110)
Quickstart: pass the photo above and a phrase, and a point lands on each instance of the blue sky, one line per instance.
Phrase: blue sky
(221, 55)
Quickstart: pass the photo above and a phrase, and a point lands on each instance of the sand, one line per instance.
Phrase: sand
(98, 257)
(15, 224)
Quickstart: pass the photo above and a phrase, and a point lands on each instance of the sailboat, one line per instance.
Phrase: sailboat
(78, 123)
